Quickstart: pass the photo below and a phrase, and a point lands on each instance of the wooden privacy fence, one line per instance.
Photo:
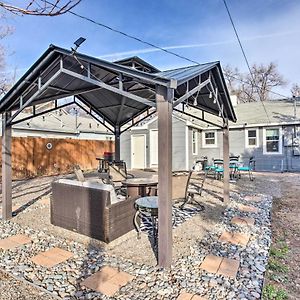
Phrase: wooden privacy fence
(32, 156)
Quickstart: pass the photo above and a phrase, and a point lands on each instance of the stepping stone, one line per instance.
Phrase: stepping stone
(229, 267)
(14, 241)
(246, 208)
(211, 263)
(253, 198)
(52, 257)
(234, 238)
(243, 221)
(107, 281)
(188, 296)
(220, 265)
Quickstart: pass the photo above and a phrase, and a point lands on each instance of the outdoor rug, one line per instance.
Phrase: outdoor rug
(178, 218)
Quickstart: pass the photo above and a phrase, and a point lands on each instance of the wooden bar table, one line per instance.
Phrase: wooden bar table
(140, 187)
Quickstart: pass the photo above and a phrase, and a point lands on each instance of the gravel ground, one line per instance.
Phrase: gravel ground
(149, 282)
(136, 257)
(127, 246)
(15, 289)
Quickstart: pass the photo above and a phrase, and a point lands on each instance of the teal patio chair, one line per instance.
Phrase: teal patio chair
(210, 168)
(218, 168)
(249, 168)
(233, 166)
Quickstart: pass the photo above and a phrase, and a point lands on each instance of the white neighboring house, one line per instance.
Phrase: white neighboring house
(60, 124)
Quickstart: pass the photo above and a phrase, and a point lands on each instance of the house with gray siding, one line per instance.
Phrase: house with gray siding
(271, 136)
(139, 144)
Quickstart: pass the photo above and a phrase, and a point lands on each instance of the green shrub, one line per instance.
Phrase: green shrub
(270, 292)
(280, 251)
(277, 266)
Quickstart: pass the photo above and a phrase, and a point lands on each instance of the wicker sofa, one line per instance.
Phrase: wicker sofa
(92, 209)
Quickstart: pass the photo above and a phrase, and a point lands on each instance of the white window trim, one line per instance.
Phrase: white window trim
(265, 144)
(204, 145)
(247, 138)
(196, 141)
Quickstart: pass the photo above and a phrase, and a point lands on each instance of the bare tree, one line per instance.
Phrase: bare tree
(266, 77)
(5, 79)
(41, 7)
(232, 74)
(256, 86)
(295, 90)
(30, 7)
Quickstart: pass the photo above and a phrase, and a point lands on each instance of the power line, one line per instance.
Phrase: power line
(150, 44)
(245, 57)
(130, 36)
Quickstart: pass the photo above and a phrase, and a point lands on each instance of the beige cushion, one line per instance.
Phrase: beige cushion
(94, 185)
(79, 174)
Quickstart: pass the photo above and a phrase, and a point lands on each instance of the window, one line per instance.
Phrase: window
(195, 142)
(272, 141)
(209, 139)
(251, 138)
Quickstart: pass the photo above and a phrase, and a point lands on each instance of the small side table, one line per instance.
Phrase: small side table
(147, 206)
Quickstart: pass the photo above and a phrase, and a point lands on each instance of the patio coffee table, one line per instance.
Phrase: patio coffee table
(140, 187)
(147, 206)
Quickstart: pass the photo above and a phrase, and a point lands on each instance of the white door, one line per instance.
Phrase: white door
(154, 148)
(138, 151)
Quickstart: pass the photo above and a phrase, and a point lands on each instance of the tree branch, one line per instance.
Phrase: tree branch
(42, 7)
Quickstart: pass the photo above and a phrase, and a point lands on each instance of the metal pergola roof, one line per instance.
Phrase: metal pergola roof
(119, 96)
(114, 92)
(137, 63)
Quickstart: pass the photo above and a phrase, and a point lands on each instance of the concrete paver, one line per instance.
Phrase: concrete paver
(107, 281)
(14, 241)
(52, 257)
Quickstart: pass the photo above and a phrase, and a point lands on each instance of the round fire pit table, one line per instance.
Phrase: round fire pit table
(140, 187)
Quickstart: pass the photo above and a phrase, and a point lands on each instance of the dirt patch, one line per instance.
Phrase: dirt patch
(284, 263)
(286, 234)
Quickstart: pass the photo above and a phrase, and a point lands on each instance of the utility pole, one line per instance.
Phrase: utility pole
(296, 98)
(295, 107)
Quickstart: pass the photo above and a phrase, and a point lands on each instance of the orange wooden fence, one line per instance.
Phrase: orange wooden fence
(31, 157)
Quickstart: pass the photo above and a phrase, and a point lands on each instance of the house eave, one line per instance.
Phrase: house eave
(236, 126)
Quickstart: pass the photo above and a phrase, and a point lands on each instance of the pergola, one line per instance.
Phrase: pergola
(119, 96)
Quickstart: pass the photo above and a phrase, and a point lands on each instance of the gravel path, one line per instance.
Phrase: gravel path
(14, 289)
(130, 256)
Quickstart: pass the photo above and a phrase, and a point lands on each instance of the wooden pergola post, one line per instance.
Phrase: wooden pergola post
(6, 169)
(226, 161)
(164, 99)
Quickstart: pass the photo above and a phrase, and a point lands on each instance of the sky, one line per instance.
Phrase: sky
(197, 29)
